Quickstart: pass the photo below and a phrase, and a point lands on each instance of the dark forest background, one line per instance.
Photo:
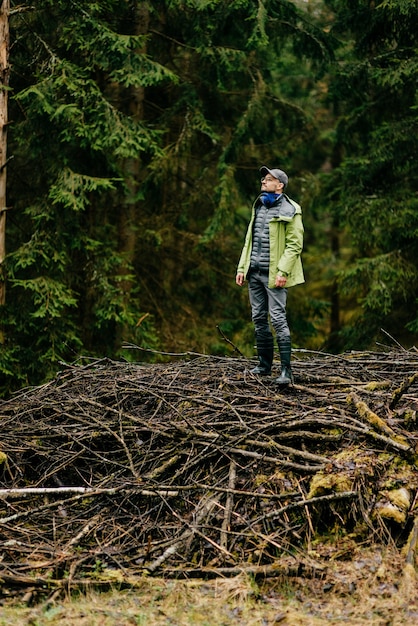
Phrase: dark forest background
(136, 132)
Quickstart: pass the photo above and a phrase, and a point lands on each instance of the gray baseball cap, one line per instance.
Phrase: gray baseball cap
(276, 173)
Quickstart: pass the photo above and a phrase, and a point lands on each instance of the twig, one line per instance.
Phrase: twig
(225, 338)
(275, 460)
(392, 338)
(204, 508)
(87, 491)
(374, 420)
(298, 569)
(344, 495)
(399, 391)
(229, 503)
(411, 545)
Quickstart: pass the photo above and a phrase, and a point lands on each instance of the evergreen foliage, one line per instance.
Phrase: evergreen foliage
(135, 126)
(372, 188)
(70, 138)
(137, 130)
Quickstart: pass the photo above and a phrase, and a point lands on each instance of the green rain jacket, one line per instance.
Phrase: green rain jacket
(286, 244)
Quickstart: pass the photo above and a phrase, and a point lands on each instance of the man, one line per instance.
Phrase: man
(271, 262)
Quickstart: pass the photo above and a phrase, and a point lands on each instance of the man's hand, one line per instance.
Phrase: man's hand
(280, 281)
(239, 279)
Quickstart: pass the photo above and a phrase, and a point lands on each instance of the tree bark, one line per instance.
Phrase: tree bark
(128, 211)
(4, 78)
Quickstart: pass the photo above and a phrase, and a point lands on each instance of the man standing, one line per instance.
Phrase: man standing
(271, 262)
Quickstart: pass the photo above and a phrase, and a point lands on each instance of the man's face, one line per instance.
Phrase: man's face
(271, 184)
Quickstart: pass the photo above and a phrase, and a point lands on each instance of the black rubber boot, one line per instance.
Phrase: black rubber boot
(265, 350)
(285, 349)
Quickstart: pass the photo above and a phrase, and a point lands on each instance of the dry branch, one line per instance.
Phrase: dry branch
(87, 491)
(411, 547)
(194, 466)
(374, 420)
(402, 389)
(296, 569)
(229, 503)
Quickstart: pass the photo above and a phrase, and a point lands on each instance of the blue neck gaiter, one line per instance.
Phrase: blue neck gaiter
(268, 199)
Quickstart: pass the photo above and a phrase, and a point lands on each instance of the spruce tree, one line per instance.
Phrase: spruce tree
(372, 188)
(135, 125)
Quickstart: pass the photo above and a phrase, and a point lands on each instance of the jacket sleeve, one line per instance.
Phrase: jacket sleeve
(246, 251)
(244, 261)
(293, 245)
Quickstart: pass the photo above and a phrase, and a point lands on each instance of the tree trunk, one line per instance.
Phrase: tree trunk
(4, 78)
(128, 211)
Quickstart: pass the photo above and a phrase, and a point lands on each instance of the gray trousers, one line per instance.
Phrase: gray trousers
(264, 302)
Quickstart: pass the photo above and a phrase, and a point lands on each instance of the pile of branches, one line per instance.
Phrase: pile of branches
(198, 467)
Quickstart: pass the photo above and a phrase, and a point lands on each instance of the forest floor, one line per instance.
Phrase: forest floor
(363, 589)
(193, 492)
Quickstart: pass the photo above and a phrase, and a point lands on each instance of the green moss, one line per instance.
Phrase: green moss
(322, 484)
(377, 384)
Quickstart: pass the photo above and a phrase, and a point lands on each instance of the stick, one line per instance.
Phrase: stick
(372, 418)
(411, 545)
(201, 513)
(398, 393)
(229, 504)
(220, 331)
(344, 495)
(88, 491)
(275, 460)
(308, 456)
(260, 571)
(83, 532)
